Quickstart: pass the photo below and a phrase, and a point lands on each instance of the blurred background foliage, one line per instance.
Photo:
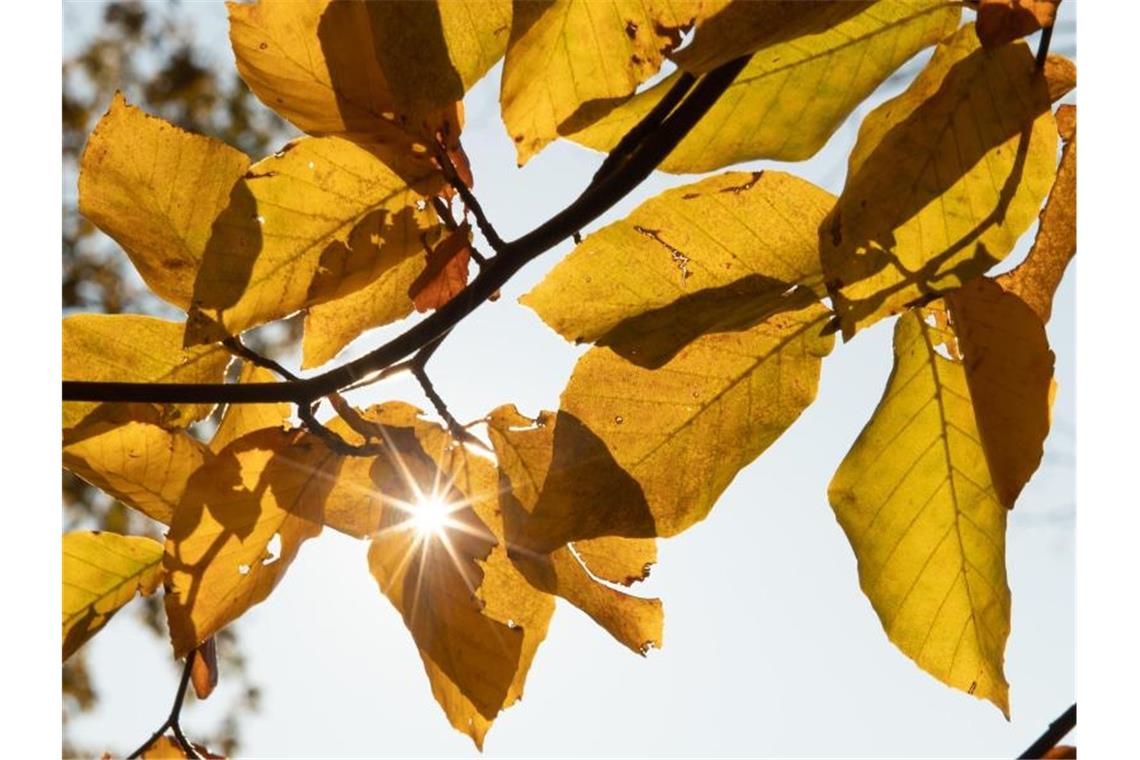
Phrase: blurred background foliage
(149, 52)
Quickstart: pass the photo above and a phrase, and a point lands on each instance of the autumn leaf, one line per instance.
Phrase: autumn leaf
(303, 228)
(942, 181)
(923, 493)
(720, 255)
(683, 431)
(140, 463)
(525, 449)
(128, 348)
(445, 275)
(1002, 21)
(265, 488)
(204, 669)
(166, 747)
(385, 75)
(475, 620)
(812, 63)
(158, 191)
(1035, 279)
(331, 326)
(566, 54)
(101, 573)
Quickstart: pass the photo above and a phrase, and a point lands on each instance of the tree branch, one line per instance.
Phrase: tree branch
(593, 202)
(172, 720)
(1055, 733)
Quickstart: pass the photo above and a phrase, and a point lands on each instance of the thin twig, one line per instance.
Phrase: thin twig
(239, 349)
(172, 720)
(1043, 47)
(444, 211)
(592, 203)
(470, 201)
(1055, 733)
(333, 440)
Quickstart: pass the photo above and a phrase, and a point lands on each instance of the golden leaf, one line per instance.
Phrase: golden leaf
(239, 419)
(718, 255)
(617, 560)
(101, 573)
(134, 349)
(1002, 21)
(525, 449)
(566, 54)
(923, 493)
(158, 191)
(813, 64)
(331, 326)
(942, 181)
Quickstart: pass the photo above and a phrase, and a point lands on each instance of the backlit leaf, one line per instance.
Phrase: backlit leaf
(127, 348)
(525, 449)
(719, 255)
(814, 63)
(140, 463)
(102, 572)
(158, 191)
(475, 620)
(565, 54)
(1035, 280)
(303, 227)
(923, 493)
(683, 431)
(204, 670)
(385, 75)
(942, 181)
(331, 326)
(239, 525)
(446, 272)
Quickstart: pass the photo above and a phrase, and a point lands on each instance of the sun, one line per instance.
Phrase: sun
(430, 516)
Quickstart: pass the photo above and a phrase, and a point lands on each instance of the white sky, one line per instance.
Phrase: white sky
(770, 647)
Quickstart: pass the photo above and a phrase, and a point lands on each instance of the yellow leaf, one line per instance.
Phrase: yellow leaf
(942, 181)
(1061, 76)
(618, 560)
(566, 54)
(718, 255)
(239, 419)
(166, 747)
(329, 327)
(1009, 370)
(683, 431)
(101, 573)
(139, 463)
(158, 191)
(923, 493)
(126, 348)
(385, 75)
(1002, 21)
(525, 449)
(814, 63)
(307, 229)
(239, 525)
(1035, 279)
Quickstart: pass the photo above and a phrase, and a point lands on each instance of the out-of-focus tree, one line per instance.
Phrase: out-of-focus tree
(149, 52)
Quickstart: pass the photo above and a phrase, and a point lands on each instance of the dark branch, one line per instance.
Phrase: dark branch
(470, 201)
(172, 720)
(1043, 46)
(1055, 733)
(592, 203)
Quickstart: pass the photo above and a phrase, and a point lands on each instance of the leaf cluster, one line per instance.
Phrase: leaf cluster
(710, 309)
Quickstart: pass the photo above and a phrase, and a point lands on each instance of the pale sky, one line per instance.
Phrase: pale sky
(770, 647)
